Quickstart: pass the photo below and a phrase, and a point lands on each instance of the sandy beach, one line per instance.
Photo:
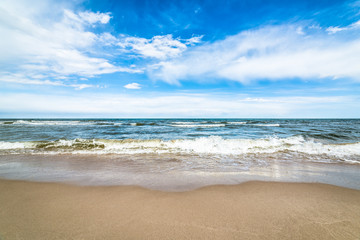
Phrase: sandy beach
(252, 210)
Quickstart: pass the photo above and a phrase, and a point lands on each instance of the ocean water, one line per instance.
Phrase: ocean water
(180, 153)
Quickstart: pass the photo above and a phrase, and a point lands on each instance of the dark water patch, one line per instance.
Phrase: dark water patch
(111, 133)
(104, 124)
(330, 136)
(137, 124)
(69, 145)
(235, 126)
(196, 134)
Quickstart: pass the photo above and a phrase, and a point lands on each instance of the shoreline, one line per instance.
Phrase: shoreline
(167, 173)
(251, 210)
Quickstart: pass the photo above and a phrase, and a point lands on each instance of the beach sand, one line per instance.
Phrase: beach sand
(252, 210)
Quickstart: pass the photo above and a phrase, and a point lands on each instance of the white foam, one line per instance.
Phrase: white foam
(15, 145)
(188, 122)
(237, 123)
(213, 145)
(50, 123)
(219, 146)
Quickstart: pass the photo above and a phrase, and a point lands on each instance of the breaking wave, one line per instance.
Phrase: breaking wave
(55, 123)
(213, 145)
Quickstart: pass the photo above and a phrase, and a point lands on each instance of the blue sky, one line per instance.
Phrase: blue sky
(123, 59)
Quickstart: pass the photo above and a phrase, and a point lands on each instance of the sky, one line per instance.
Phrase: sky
(179, 59)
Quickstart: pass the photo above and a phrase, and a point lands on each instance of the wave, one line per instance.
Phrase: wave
(47, 123)
(331, 136)
(189, 122)
(203, 145)
(61, 123)
(237, 123)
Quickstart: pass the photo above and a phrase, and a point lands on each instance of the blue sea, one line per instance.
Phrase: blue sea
(180, 153)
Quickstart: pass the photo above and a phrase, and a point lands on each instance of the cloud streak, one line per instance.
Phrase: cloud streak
(38, 80)
(353, 26)
(272, 53)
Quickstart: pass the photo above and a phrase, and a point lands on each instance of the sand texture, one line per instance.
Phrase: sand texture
(253, 210)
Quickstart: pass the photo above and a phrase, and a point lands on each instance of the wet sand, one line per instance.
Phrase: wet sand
(252, 210)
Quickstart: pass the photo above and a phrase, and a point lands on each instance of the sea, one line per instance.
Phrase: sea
(180, 154)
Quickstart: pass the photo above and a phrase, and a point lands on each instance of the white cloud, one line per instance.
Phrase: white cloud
(92, 17)
(133, 86)
(193, 40)
(353, 26)
(57, 44)
(273, 52)
(39, 80)
(159, 47)
(81, 86)
(333, 30)
(107, 39)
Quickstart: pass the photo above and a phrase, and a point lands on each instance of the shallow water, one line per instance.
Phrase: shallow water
(167, 173)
